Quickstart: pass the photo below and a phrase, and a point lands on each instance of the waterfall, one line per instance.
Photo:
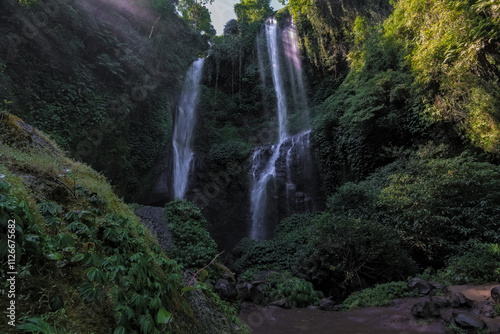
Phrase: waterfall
(184, 127)
(272, 47)
(283, 174)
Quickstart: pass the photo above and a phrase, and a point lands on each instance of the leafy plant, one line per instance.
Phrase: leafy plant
(477, 264)
(192, 245)
(37, 325)
(297, 291)
(379, 295)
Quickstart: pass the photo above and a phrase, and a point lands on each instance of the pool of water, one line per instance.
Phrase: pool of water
(384, 320)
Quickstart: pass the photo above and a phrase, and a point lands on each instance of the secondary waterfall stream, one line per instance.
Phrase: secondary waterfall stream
(282, 173)
(185, 121)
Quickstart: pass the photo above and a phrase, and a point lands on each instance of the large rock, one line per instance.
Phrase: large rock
(244, 290)
(458, 299)
(327, 304)
(226, 289)
(279, 303)
(495, 294)
(488, 310)
(440, 301)
(419, 285)
(466, 320)
(152, 218)
(251, 291)
(425, 309)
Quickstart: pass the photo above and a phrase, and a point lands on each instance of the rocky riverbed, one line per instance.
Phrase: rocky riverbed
(464, 306)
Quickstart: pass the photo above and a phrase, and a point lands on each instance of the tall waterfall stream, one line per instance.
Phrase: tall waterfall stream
(185, 121)
(278, 168)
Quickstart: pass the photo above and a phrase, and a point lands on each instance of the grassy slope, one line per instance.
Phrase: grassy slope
(86, 264)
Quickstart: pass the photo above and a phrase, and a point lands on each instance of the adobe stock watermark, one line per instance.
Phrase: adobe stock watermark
(258, 317)
(11, 272)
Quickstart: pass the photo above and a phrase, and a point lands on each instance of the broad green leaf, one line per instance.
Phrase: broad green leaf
(190, 288)
(55, 256)
(226, 269)
(77, 257)
(120, 330)
(203, 275)
(163, 316)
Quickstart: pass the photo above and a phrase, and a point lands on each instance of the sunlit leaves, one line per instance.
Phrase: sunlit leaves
(453, 50)
(197, 15)
(249, 11)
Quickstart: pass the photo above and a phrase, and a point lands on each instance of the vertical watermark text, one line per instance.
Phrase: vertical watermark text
(11, 271)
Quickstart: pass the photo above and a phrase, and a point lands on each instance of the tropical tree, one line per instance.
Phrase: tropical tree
(196, 14)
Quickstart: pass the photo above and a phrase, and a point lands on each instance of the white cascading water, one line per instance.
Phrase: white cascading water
(279, 87)
(265, 159)
(185, 121)
(261, 177)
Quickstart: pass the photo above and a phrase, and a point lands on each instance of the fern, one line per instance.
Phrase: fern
(146, 324)
(96, 275)
(49, 208)
(37, 325)
(91, 292)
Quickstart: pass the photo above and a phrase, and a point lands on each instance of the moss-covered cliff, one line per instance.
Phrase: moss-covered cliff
(100, 77)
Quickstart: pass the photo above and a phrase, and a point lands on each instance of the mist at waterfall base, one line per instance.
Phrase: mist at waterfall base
(285, 177)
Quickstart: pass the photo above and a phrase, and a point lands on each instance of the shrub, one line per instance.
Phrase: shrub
(437, 203)
(233, 151)
(298, 292)
(379, 295)
(192, 245)
(284, 252)
(352, 252)
(477, 265)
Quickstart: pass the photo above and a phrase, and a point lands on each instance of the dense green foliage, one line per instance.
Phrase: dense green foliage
(197, 15)
(284, 252)
(379, 295)
(419, 211)
(192, 245)
(326, 30)
(374, 107)
(100, 79)
(296, 291)
(481, 263)
(453, 47)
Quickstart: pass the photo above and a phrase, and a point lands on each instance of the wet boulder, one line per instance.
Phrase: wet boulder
(488, 310)
(419, 285)
(226, 289)
(327, 304)
(425, 310)
(495, 294)
(440, 301)
(458, 299)
(466, 320)
(279, 303)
